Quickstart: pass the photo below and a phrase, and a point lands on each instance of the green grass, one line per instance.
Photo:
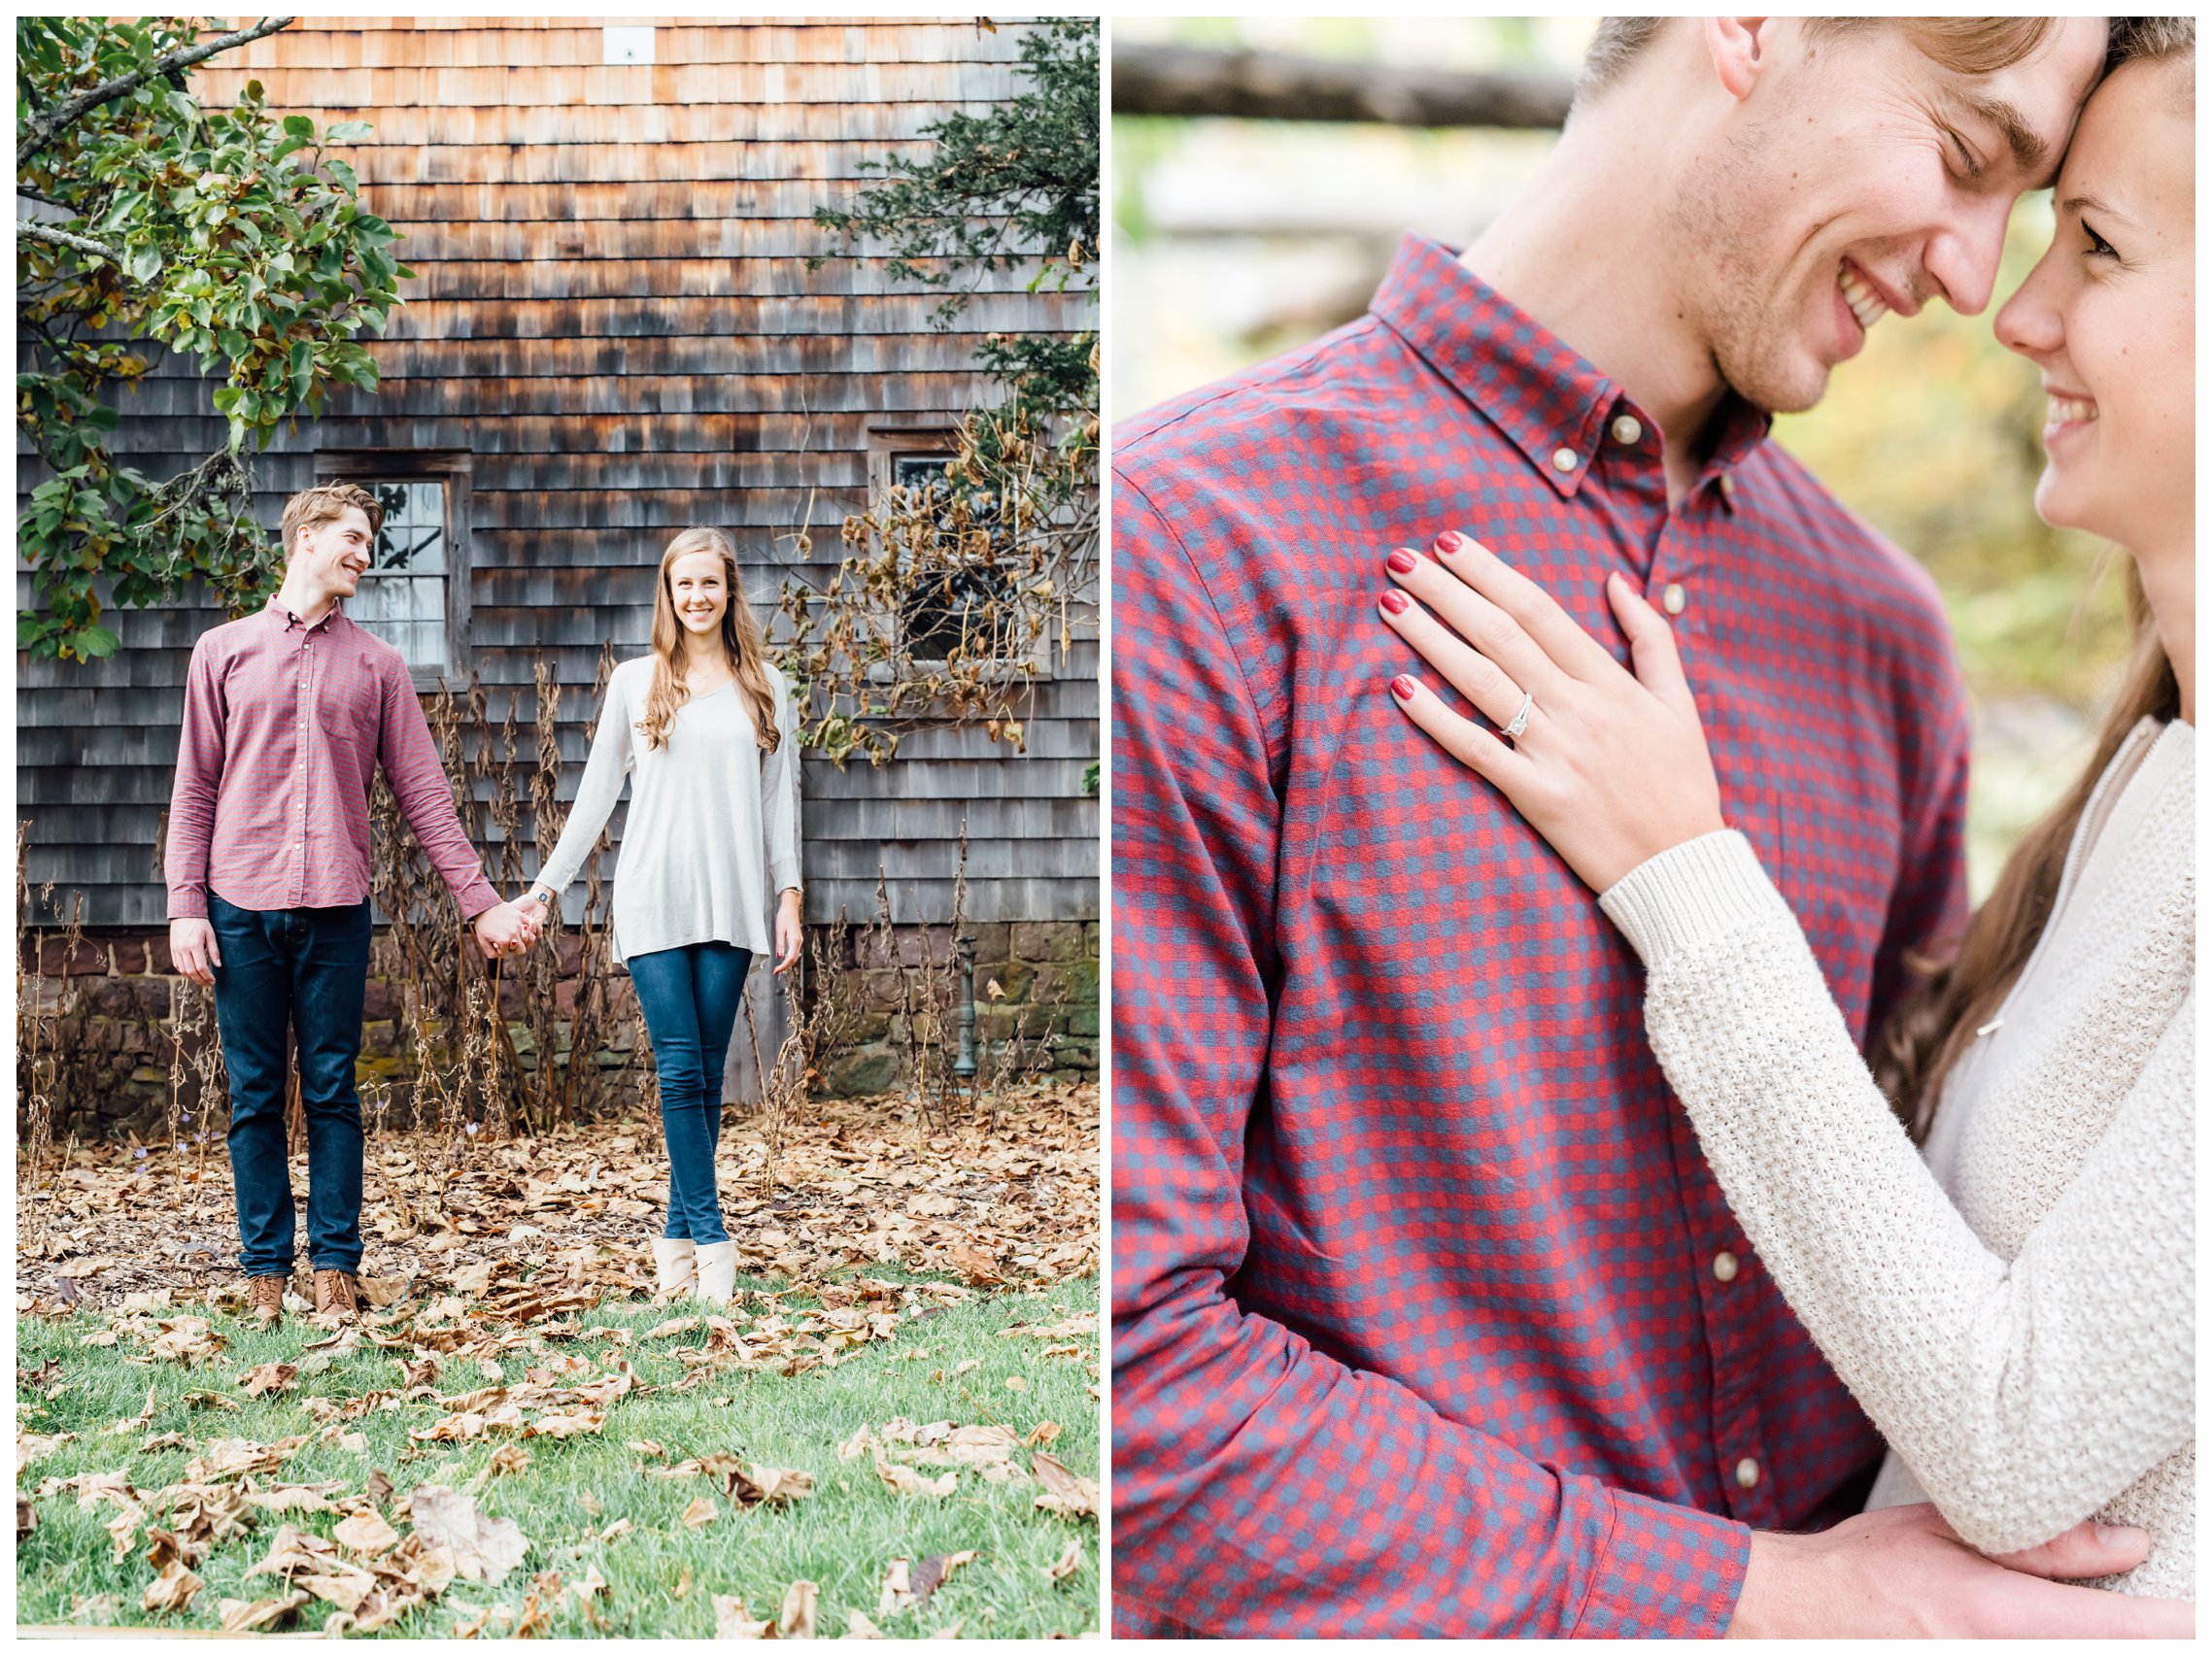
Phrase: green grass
(840, 1537)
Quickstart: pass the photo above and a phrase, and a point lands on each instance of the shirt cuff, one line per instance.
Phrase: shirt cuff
(1700, 891)
(475, 897)
(784, 877)
(188, 902)
(1667, 1572)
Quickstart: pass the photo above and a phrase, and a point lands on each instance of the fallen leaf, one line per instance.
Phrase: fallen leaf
(858, 1626)
(906, 1585)
(731, 1622)
(243, 1615)
(699, 1514)
(173, 1589)
(265, 1377)
(1064, 1491)
(1066, 1565)
(484, 1549)
(365, 1533)
(905, 1481)
(800, 1604)
(767, 1486)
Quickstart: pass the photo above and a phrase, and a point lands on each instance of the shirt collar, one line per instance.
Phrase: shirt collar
(285, 620)
(1555, 406)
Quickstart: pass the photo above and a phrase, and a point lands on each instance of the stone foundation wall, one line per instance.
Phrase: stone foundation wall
(110, 1066)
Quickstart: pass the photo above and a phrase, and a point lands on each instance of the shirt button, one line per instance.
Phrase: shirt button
(1728, 484)
(1724, 1265)
(1674, 598)
(1747, 1474)
(1564, 460)
(1627, 430)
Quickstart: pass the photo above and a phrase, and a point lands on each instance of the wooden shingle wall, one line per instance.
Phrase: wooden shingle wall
(612, 319)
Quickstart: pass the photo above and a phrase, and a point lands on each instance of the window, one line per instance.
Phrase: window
(951, 612)
(402, 599)
(415, 594)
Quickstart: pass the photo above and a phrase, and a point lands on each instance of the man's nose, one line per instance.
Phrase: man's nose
(1963, 256)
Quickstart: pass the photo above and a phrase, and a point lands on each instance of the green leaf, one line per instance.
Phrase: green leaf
(345, 131)
(299, 126)
(92, 644)
(145, 264)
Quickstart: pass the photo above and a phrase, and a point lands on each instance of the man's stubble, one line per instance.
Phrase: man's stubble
(1734, 297)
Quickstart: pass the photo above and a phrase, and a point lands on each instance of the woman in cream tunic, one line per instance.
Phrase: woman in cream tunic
(2015, 1312)
(702, 730)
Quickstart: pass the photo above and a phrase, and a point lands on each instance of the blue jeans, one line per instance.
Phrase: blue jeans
(690, 997)
(305, 969)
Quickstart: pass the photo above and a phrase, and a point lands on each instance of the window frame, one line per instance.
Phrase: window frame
(455, 469)
(887, 446)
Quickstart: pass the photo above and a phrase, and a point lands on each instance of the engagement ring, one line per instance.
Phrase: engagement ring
(1520, 719)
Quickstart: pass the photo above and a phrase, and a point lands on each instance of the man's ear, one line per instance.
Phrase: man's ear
(1738, 47)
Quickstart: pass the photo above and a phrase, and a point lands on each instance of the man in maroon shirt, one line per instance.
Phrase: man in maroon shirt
(1429, 1317)
(287, 715)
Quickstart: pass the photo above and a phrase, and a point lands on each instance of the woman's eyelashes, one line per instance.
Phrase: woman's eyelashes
(2098, 246)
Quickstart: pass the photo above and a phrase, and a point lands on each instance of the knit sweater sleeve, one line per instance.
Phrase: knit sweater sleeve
(604, 773)
(2023, 1395)
(779, 794)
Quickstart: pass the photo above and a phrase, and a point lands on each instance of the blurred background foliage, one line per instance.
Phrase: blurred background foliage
(1235, 240)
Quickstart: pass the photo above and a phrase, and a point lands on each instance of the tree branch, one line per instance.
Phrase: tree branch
(39, 232)
(43, 130)
(1275, 86)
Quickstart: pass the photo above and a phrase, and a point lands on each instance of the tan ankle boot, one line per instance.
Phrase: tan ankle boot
(265, 1296)
(675, 1264)
(717, 1272)
(336, 1291)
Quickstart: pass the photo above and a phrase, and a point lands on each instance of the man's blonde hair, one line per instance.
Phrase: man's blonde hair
(324, 502)
(1970, 45)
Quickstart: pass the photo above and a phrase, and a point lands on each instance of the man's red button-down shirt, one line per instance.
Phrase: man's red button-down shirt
(1417, 1322)
(285, 725)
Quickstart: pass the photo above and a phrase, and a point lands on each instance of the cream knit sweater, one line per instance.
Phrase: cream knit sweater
(2016, 1314)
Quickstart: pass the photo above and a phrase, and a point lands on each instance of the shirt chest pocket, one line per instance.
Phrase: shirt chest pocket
(349, 705)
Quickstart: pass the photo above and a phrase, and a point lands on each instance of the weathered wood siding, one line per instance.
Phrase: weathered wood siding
(612, 317)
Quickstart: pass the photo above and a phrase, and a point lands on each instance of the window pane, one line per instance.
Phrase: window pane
(402, 599)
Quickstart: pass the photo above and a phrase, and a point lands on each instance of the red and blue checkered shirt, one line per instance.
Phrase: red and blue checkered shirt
(285, 725)
(1429, 1317)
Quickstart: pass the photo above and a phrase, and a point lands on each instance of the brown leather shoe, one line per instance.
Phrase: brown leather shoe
(265, 1296)
(336, 1291)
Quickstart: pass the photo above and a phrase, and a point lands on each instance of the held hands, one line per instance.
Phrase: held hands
(192, 950)
(1610, 766)
(507, 929)
(791, 934)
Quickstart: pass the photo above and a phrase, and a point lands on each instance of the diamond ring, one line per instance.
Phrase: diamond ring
(1520, 719)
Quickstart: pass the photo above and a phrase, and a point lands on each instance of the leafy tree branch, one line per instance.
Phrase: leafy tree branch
(41, 131)
(951, 590)
(229, 236)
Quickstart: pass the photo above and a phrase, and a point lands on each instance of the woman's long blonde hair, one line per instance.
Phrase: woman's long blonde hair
(741, 646)
(1933, 1029)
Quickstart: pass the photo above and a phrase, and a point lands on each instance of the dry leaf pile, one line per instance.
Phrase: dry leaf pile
(861, 1183)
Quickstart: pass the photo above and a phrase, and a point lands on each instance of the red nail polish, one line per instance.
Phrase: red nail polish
(1401, 562)
(1395, 601)
(1403, 688)
(1448, 541)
